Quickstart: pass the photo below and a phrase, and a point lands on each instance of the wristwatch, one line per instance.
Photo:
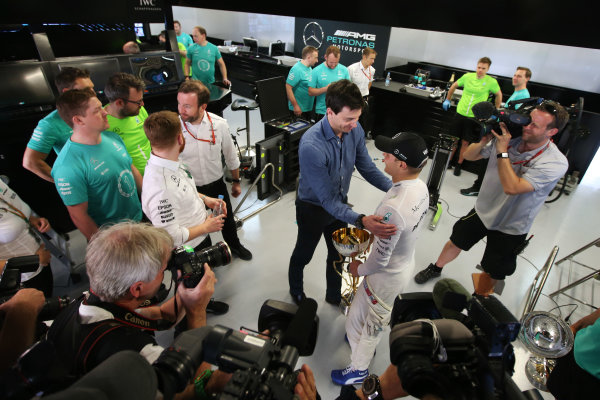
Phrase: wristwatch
(371, 388)
(235, 180)
(358, 223)
(502, 155)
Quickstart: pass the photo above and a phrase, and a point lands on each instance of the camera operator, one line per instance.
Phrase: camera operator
(577, 375)
(516, 183)
(390, 387)
(18, 323)
(125, 264)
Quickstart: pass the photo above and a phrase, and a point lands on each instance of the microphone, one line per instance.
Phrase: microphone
(299, 332)
(450, 298)
(483, 110)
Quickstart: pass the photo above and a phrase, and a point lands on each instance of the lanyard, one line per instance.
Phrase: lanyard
(212, 128)
(14, 210)
(525, 162)
(368, 76)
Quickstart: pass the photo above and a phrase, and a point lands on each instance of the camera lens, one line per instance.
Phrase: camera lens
(215, 256)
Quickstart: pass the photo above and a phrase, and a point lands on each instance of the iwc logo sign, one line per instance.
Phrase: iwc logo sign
(313, 35)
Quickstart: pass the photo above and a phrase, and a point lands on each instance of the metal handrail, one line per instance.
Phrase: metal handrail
(535, 291)
(252, 187)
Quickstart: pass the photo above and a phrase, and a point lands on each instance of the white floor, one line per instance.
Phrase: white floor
(569, 223)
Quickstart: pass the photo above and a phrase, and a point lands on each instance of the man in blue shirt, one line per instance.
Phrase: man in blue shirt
(182, 37)
(327, 72)
(202, 57)
(519, 81)
(328, 153)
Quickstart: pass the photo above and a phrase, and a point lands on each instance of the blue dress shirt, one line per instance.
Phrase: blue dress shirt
(326, 166)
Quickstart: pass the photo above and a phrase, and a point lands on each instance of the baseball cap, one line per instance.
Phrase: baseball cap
(405, 146)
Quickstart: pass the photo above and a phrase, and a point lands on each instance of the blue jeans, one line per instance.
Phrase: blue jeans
(313, 221)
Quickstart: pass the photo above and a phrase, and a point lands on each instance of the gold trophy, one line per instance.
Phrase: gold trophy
(352, 244)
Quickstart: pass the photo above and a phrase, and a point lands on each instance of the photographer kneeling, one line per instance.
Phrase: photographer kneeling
(126, 264)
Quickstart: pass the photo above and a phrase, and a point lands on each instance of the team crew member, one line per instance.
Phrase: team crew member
(207, 138)
(201, 58)
(327, 72)
(298, 80)
(126, 115)
(93, 173)
(329, 151)
(520, 174)
(477, 86)
(52, 132)
(363, 74)
(169, 195)
(519, 82)
(182, 37)
(390, 265)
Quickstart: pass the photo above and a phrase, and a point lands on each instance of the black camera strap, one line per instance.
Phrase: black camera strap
(128, 317)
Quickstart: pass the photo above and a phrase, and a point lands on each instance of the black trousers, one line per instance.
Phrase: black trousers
(229, 229)
(313, 221)
(365, 119)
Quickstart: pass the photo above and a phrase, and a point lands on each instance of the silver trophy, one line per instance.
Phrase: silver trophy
(352, 244)
(548, 337)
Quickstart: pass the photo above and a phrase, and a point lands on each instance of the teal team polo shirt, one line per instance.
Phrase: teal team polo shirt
(299, 79)
(51, 132)
(474, 91)
(101, 175)
(203, 60)
(322, 76)
(517, 95)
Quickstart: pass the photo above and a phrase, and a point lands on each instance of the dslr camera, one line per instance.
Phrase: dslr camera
(191, 263)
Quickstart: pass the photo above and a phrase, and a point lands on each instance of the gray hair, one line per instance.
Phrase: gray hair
(125, 253)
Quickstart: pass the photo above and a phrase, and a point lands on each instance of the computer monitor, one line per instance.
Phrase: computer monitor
(277, 49)
(138, 27)
(100, 70)
(272, 98)
(270, 150)
(155, 70)
(23, 85)
(251, 43)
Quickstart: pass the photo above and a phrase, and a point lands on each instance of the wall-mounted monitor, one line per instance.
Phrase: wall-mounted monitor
(155, 70)
(270, 150)
(138, 28)
(23, 85)
(277, 49)
(272, 98)
(251, 43)
(100, 70)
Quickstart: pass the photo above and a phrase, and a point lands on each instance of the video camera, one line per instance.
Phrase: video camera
(262, 366)
(10, 283)
(488, 117)
(472, 359)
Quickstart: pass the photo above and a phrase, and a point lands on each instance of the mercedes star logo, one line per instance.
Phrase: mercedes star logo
(313, 35)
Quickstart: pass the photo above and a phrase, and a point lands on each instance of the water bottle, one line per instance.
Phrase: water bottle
(388, 78)
(218, 210)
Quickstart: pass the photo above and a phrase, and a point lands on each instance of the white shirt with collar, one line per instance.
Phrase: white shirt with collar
(202, 153)
(361, 76)
(170, 199)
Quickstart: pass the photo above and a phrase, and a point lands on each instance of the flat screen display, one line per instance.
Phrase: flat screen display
(138, 27)
(272, 98)
(23, 85)
(100, 70)
(155, 70)
(251, 43)
(277, 49)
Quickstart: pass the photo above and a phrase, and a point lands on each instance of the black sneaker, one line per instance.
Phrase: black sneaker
(216, 307)
(428, 273)
(472, 191)
(241, 252)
